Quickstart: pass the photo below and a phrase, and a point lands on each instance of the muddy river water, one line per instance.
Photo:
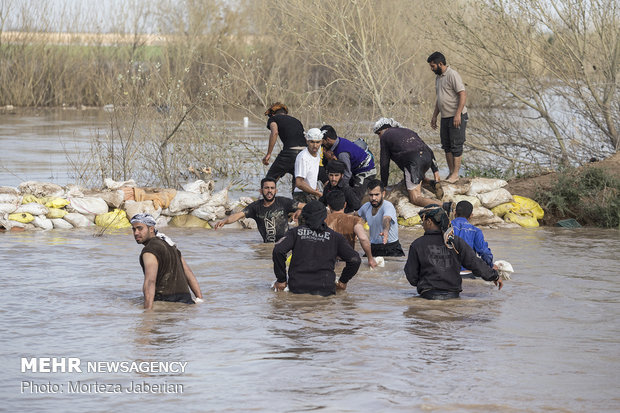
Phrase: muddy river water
(549, 341)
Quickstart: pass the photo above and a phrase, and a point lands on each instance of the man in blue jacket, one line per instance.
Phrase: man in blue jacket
(470, 233)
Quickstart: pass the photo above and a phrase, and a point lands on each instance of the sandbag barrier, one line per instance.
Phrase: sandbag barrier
(494, 206)
(44, 206)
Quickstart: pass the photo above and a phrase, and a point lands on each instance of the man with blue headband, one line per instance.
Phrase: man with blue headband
(166, 274)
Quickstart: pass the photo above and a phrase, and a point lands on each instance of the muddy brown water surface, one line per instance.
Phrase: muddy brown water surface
(549, 341)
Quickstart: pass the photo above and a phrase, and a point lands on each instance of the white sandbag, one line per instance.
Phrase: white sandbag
(483, 216)
(114, 198)
(41, 189)
(219, 198)
(141, 207)
(87, 205)
(44, 223)
(199, 187)
(238, 206)
(10, 198)
(461, 187)
(6, 208)
(471, 199)
(60, 223)
(162, 221)
(33, 208)
(495, 197)
(406, 209)
(504, 268)
(169, 213)
(209, 213)
(74, 191)
(78, 220)
(482, 185)
(184, 200)
(111, 184)
(248, 223)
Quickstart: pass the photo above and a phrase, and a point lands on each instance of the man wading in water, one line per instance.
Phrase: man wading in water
(315, 248)
(270, 213)
(435, 259)
(166, 274)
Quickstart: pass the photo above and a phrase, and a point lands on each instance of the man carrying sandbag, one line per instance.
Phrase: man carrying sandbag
(166, 274)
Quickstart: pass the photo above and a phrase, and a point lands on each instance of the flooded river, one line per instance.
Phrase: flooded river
(547, 342)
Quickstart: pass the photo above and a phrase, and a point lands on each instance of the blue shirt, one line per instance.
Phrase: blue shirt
(375, 222)
(472, 235)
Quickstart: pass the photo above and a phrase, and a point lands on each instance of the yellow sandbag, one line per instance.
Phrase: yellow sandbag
(526, 221)
(22, 217)
(56, 213)
(31, 198)
(188, 221)
(115, 219)
(366, 227)
(503, 209)
(529, 206)
(409, 222)
(54, 202)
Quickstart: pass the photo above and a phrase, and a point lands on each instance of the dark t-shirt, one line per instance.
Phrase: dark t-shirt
(171, 277)
(290, 130)
(404, 147)
(272, 221)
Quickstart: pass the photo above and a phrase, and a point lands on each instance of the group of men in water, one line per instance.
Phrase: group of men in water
(331, 173)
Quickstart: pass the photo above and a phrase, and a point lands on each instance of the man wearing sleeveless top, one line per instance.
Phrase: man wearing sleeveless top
(166, 274)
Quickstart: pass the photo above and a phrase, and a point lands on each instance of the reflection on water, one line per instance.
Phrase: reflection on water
(547, 342)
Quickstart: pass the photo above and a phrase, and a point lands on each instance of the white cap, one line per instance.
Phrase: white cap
(314, 134)
(385, 121)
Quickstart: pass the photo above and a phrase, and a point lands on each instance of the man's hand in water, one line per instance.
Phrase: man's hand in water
(499, 283)
(372, 262)
(341, 286)
(279, 286)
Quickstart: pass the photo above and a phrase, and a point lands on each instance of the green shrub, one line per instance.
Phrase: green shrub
(591, 196)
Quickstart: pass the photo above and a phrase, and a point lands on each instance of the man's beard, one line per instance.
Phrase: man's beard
(268, 197)
(377, 203)
(438, 71)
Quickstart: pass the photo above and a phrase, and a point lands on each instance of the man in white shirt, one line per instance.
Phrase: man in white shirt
(307, 168)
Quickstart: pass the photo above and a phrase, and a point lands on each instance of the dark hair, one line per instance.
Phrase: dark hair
(330, 132)
(373, 183)
(276, 108)
(335, 200)
(464, 209)
(267, 179)
(436, 57)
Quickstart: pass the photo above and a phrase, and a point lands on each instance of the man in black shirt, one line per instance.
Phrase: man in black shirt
(435, 259)
(315, 248)
(335, 173)
(270, 213)
(291, 133)
(410, 153)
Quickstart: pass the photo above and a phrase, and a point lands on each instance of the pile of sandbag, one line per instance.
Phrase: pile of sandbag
(493, 205)
(38, 205)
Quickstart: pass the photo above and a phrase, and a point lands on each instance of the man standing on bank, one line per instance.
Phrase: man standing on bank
(291, 133)
(451, 97)
(166, 274)
(315, 248)
(270, 213)
(380, 215)
(435, 259)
